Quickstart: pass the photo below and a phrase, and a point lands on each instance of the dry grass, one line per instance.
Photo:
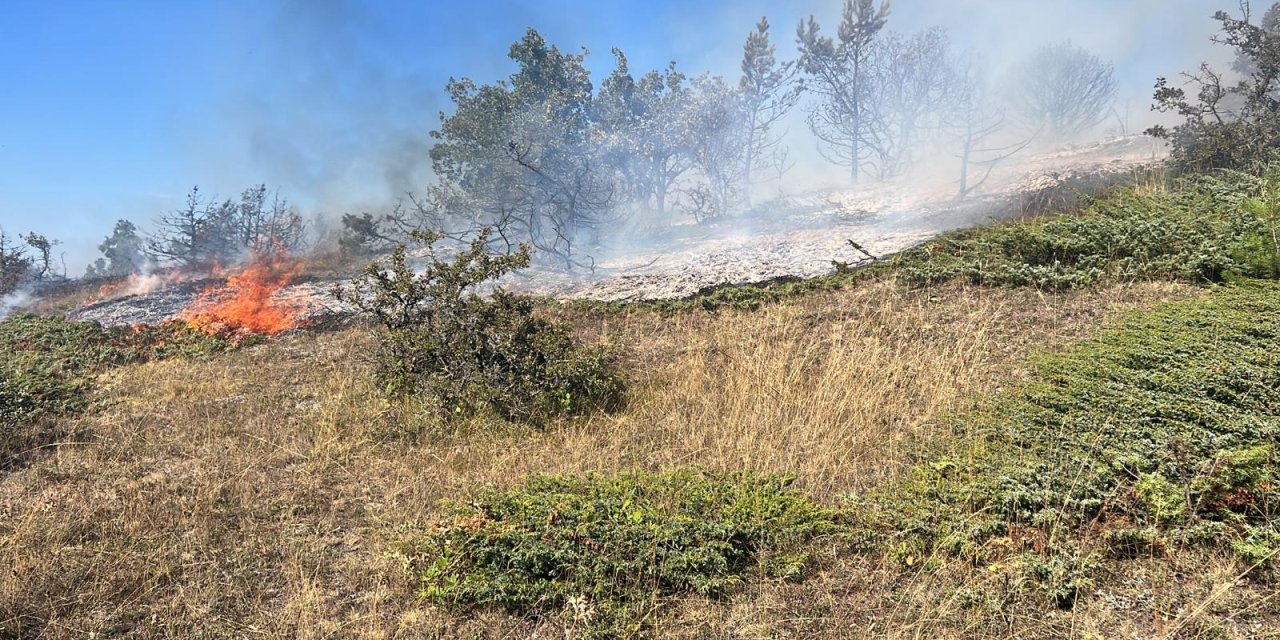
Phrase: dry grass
(257, 494)
(1181, 595)
(834, 388)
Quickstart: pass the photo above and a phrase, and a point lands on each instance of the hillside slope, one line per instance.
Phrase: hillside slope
(1054, 428)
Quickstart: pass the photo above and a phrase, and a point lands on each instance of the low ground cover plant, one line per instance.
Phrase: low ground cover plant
(1161, 431)
(48, 365)
(609, 552)
(1203, 230)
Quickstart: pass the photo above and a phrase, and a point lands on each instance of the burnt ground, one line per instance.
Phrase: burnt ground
(795, 236)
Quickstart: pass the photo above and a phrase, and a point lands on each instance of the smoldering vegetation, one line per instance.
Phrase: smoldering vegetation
(547, 157)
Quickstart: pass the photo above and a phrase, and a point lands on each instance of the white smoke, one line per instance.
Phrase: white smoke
(9, 303)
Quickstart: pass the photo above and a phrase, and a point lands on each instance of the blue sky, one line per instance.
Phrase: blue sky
(116, 108)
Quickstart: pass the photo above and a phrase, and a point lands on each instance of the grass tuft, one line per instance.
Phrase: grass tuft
(47, 366)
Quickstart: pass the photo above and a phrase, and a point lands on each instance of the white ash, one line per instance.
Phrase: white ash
(796, 236)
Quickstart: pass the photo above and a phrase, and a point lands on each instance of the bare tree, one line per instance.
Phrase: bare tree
(767, 93)
(263, 224)
(913, 84)
(982, 128)
(42, 266)
(1062, 90)
(178, 237)
(207, 231)
(839, 77)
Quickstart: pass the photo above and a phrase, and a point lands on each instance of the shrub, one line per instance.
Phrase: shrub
(1164, 426)
(473, 352)
(1260, 248)
(1228, 124)
(1206, 230)
(613, 549)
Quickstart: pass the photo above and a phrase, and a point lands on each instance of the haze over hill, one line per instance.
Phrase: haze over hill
(116, 113)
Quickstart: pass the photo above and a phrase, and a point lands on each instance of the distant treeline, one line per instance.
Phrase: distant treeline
(548, 159)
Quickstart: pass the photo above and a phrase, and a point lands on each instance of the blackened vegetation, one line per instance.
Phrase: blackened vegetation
(207, 232)
(476, 351)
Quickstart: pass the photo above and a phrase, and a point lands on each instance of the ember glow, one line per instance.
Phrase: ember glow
(246, 303)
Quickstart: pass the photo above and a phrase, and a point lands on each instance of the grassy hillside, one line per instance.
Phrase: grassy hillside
(1054, 428)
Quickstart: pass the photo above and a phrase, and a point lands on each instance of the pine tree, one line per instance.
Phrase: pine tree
(122, 252)
(768, 92)
(839, 73)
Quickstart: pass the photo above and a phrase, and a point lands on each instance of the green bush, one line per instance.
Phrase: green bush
(1260, 248)
(472, 352)
(1232, 118)
(1205, 230)
(1163, 427)
(611, 550)
(47, 367)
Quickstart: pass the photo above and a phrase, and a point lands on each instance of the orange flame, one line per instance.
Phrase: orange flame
(246, 303)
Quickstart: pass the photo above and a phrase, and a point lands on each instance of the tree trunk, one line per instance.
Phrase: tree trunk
(751, 159)
(853, 161)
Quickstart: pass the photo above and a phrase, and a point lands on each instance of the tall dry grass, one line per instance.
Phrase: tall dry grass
(258, 494)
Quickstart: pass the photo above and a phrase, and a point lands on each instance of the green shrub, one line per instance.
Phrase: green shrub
(611, 550)
(475, 353)
(1259, 548)
(1232, 118)
(1062, 573)
(47, 367)
(1206, 230)
(1163, 426)
(1159, 500)
(1260, 248)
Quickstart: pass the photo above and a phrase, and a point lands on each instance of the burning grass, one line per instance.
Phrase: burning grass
(246, 303)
